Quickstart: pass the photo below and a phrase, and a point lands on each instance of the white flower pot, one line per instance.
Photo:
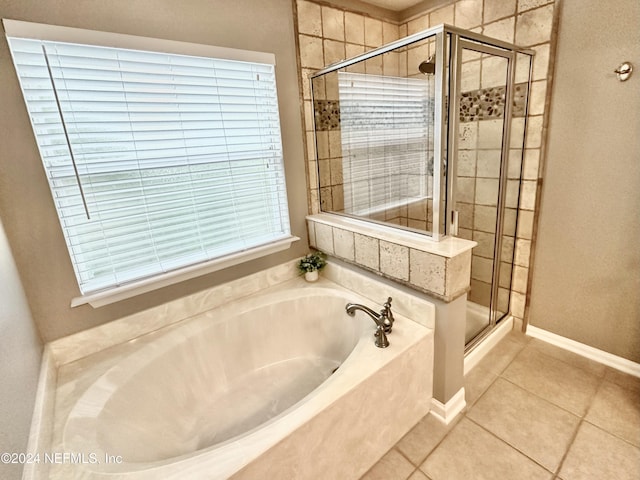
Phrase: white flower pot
(311, 276)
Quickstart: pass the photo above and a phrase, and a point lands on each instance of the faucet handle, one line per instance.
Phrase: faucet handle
(387, 316)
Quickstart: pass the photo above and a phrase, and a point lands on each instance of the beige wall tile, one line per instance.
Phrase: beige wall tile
(486, 244)
(466, 188)
(534, 26)
(390, 32)
(496, 9)
(324, 238)
(313, 174)
(326, 199)
(517, 132)
(537, 97)
(525, 224)
(309, 18)
(487, 191)
(353, 50)
(523, 252)
(468, 135)
(467, 163)
(488, 163)
(311, 146)
(418, 24)
(372, 32)
(520, 275)
(531, 164)
(311, 52)
(470, 78)
(332, 23)
(367, 251)
(442, 15)
(373, 65)
(335, 144)
(541, 61)
(394, 260)
(490, 134)
(458, 274)
(481, 269)
(390, 64)
(502, 29)
(484, 218)
(494, 72)
(529, 4)
(534, 132)
(333, 52)
(344, 243)
(324, 170)
(427, 271)
(336, 171)
(322, 145)
(354, 28)
(468, 13)
(511, 195)
(337, 197)
(517, 304)
(528, 195)
(465, 215)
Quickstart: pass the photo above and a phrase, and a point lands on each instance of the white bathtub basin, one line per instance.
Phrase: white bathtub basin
(234, 391)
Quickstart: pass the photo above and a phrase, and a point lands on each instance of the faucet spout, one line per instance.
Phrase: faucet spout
(383, 320)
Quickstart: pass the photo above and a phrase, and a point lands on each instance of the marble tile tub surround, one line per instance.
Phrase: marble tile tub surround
(417, 341)
(440, 269)
(327, 33)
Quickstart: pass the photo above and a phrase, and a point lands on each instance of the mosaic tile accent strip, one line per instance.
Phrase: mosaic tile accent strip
(327, 115)
(488, 103)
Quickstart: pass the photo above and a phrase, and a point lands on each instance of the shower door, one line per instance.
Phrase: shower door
(478, 184)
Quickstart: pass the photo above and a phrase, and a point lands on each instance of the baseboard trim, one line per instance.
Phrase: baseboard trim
(445, 413)
(606, 358)
(472, 358)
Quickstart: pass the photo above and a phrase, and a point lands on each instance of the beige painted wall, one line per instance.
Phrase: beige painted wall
(20, 353)
(26, 207)
(586, 271)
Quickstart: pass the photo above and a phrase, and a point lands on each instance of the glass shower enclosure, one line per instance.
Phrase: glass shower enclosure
(427, 134)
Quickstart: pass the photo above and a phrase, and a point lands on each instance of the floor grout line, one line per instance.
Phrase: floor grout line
(509, 445)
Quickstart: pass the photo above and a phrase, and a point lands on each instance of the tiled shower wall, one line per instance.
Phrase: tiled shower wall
(328, 34)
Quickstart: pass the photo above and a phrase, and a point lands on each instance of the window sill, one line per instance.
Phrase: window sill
(123, 292)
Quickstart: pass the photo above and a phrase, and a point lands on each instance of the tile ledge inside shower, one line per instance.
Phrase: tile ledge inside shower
(440, 269)
(449, 247)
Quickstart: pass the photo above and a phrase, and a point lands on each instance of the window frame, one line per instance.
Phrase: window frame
(131, 288)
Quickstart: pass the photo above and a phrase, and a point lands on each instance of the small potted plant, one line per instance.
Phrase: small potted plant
(310, 264)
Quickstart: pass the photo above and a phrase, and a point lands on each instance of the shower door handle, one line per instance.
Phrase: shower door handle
(454, 223)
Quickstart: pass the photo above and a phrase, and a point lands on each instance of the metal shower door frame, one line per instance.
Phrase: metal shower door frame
(457, 46)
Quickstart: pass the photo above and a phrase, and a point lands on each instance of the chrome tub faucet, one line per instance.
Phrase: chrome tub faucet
(384, 320)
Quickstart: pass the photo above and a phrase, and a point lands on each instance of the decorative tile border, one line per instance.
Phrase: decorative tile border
(327, 114)
(488, 103)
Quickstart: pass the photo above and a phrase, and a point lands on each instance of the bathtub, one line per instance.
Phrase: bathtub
(279, 384)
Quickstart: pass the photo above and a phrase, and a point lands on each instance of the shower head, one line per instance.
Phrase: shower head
(428, 67)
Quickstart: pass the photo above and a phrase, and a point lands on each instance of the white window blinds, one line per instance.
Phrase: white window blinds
(386, 127)
(178, 158)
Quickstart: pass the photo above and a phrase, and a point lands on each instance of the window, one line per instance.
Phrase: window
(386, 127)
(156, 161)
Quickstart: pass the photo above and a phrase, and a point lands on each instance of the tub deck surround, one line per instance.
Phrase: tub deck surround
(440, 269)
(99, 397)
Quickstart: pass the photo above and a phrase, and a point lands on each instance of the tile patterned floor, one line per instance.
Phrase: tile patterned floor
(534, 411)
